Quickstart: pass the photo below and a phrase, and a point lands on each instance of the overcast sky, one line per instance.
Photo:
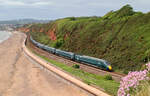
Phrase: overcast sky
(53, 9)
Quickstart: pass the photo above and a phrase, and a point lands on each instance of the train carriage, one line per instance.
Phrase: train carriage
(52, 50)
(100, 63)
(69, 55)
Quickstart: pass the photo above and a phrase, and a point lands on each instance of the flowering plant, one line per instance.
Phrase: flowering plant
(131, 82)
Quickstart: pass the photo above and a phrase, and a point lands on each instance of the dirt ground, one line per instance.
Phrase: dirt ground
(20, 76)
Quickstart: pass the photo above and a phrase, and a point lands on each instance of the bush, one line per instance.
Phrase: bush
(108, 77)
(58, 43)
(71, 18)
(76, 66)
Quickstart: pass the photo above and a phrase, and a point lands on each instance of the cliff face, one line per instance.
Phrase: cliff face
(122, 37)
(23, 29)
(51, 34)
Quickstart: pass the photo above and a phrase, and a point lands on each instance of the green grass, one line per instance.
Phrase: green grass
(144, 89)
(110, 86)
(121, 37)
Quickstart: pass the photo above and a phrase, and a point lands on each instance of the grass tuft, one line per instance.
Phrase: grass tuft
(108, 77)
(76, 66)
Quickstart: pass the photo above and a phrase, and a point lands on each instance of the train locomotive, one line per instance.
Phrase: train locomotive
(99, 63)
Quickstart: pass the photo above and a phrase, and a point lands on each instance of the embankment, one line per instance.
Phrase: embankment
(121, 37)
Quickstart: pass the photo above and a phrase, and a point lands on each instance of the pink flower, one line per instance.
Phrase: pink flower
(132, 80)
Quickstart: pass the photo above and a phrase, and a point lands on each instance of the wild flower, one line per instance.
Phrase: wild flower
(132, 81)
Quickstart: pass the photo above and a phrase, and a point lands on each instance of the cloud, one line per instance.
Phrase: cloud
(24, 3)
(53, 9)
(41, 3)
(11, 3)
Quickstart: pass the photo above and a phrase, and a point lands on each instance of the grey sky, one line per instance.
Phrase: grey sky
(53, 9)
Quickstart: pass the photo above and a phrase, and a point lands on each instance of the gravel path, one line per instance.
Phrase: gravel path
(20, 76)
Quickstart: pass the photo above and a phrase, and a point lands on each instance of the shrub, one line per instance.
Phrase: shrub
(108, 77)
(76, 66)
(71, 18)
(133, 82)
(58, 43)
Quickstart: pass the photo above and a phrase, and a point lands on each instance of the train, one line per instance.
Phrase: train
(92, 61)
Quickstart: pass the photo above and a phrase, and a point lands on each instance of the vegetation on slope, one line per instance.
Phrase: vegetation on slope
(122, 37)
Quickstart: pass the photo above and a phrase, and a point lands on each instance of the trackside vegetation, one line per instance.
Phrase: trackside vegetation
(105, 82)
(121, 37)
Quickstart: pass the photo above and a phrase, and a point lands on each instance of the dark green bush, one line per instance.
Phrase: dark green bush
(108, 77)
(58, 43)
(71, 18)
(76, 66)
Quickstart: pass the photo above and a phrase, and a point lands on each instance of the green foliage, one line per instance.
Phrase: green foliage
(58, 43)
(109, 15)
(143, 89)
(40, 37)
(71, 18)
(121, 37)
(126, 10)
(108, 77)
(76, 66)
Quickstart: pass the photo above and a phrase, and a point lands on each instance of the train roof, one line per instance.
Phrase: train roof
(94, 58)
(64, 51)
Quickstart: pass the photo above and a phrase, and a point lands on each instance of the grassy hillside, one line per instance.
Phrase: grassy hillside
(122, 37)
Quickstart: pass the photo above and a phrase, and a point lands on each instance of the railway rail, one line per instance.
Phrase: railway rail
(91, 69)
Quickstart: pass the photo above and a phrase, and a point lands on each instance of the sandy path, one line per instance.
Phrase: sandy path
(20, 76)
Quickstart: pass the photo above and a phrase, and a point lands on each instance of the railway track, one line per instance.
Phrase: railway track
(87, 68)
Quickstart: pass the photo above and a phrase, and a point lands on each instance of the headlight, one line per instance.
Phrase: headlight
(109, 67)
